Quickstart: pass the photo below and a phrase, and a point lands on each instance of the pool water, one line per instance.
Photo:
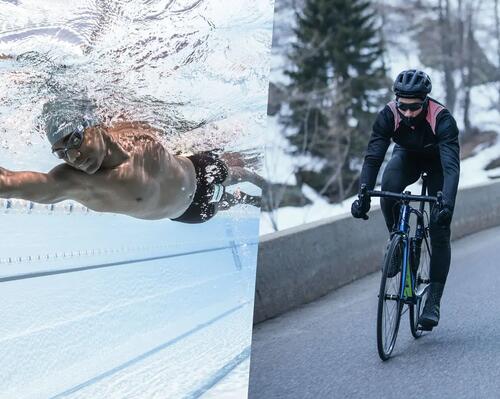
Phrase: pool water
(108, 306)
(174, 64)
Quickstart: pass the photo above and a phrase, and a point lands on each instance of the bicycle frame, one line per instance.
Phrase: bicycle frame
(407, 292)
(404, 251)
(403, 229)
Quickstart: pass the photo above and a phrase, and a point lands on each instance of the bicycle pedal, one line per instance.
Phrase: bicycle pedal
(422, 328)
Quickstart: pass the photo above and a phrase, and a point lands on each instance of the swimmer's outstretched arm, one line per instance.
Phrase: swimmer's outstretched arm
(45, 188)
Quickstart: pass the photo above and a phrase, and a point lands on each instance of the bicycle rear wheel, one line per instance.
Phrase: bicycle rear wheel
(389, 301)
(421, 287)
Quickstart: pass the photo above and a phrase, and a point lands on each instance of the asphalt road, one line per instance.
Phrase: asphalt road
(327, 349)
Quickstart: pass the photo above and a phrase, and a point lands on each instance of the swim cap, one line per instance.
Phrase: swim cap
(63, 116)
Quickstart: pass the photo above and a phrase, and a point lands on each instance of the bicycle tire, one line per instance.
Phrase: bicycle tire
(421, 288)
(389, 295)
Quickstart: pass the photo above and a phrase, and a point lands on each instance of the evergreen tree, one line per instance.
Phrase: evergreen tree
(336, 75)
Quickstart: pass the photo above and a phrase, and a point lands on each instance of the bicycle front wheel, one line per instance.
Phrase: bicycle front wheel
(390, 304)
(422, 282)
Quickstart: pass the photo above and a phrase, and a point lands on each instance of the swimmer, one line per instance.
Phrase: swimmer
(125, 169)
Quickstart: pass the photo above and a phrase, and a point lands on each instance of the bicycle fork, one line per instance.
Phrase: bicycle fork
(408, 285)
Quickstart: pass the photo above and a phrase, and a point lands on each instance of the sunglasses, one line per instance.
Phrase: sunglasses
(409, 106)
(73, 142)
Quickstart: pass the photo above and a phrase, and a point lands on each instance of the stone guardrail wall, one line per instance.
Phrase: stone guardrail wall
(299, 265)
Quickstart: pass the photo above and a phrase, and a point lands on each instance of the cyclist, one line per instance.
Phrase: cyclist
(426, 137)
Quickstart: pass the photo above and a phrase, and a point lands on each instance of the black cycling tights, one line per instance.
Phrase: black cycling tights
(403, 169)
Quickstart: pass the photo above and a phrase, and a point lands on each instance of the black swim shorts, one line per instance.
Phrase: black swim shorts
(210, 173)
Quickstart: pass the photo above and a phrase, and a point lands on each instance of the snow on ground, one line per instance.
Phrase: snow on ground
(472, 174)
(472, 171)
(279, 166)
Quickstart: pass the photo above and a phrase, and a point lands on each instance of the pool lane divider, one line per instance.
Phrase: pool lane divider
(45, 273)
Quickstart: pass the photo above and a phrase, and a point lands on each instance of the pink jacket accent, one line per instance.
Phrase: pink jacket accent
(397, 117)
(432, 112)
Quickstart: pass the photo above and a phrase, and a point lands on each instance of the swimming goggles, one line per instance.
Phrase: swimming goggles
(72, 143)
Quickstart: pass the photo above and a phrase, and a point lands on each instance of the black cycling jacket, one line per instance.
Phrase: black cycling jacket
(436, 136)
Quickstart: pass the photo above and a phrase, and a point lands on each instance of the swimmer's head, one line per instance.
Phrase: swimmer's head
(64, 116)
(72, 128)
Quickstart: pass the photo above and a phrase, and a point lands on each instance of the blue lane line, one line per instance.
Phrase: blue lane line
(112, 264)
(236, 255)
(220, 374)
(147, 354)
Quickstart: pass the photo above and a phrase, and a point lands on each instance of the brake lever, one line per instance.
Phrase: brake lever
(363, 192)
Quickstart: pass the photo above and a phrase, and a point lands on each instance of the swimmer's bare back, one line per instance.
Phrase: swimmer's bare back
(147, 182)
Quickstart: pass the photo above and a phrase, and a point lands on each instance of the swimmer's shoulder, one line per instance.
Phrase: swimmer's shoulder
(122, 125)
(135, 137)
(139, 127)
(134, 130)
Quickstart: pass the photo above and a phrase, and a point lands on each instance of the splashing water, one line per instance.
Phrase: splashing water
(176, 64)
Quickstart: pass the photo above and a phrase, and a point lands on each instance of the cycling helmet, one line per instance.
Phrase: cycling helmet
(412, 83)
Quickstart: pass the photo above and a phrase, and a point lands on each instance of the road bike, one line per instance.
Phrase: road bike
(406, 267)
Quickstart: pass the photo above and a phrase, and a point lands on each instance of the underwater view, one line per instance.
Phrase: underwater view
(100, 299)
